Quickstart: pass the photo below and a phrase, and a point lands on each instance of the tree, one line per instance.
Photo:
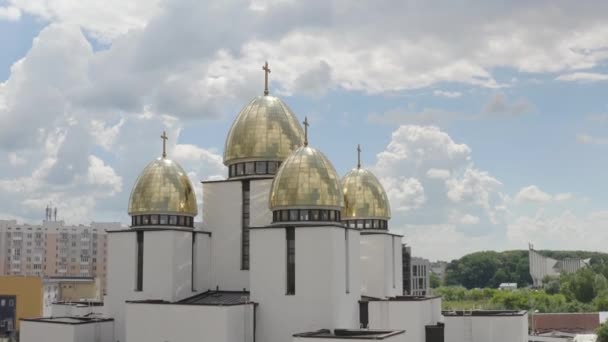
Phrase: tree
(602, 333)
(551, 286)
(435, 281)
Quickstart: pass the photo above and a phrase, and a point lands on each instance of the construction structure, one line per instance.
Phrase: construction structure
(542, 266)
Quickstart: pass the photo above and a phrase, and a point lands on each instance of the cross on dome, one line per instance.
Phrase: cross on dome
(306, 124)
(358, 156)
(165, 138)
(266, 72)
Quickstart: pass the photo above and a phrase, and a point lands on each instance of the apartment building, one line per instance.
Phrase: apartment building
(54, 249)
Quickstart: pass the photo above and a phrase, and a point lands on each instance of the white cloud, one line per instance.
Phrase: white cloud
(404, 194)
(469, 219)
(438, 174)
(16, 160)
(563, 231)
(563, 196)
(10, 13)
(448, 94)
(105, 20)
(583, 77)
(100, 174)
(532, 193)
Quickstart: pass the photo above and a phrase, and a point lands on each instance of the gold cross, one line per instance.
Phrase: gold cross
(358, 156)
(306, 124)
(164, 137)
(266, 72)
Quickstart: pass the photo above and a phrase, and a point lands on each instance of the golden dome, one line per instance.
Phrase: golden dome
(306, 179)
(364, 196)
(265, 130)
(163, 187)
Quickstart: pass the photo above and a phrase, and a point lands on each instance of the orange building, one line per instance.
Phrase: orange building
(20, 297)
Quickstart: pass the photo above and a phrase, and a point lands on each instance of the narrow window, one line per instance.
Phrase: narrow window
(291, 260)
(139, 284)
(347, 260)
(193, 262)
(393, 259)
(245, 227)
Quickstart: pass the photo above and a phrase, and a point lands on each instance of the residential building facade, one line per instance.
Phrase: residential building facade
(54, 249)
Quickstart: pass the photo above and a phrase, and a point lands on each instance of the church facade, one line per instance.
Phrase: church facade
(288, 251)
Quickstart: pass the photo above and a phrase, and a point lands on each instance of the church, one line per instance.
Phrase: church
(288, 251)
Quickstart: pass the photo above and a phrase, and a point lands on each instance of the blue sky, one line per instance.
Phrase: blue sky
(487, 127)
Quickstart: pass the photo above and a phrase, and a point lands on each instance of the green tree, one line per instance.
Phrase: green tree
(552, 286)
(602, 333)
(435, 281)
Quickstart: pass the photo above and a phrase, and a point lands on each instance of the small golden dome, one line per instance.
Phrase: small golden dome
(306, 179)
(163, 187)
(265, 130)
(364, 196)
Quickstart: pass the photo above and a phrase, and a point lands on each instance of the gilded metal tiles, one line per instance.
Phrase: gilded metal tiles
(364, 196)
(163, 187)
(265, 130)
(306, 180)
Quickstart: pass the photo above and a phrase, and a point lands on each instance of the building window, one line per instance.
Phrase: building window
(139, 282)
(163, 219)
(347, 260)
(260, 168)
(291, 260)
(394, 270)
(245, 226)
(173, 220)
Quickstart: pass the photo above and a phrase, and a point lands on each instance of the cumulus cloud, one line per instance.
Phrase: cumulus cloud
(447, 94)
(584, 138)
(532, 193)
(583, 77)
(431, 181)
(10, 13)
(562, 231)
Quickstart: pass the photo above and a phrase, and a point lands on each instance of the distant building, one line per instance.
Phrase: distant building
(416, 273)
(54, 249)
(70, 290)
(20, 297)
(507, 286)
(438, 268)
(542, 266)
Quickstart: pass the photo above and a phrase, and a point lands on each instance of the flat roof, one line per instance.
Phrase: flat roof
(351, 334)
(484, 313)
(212, 298)
(398, 299)
(68, 320)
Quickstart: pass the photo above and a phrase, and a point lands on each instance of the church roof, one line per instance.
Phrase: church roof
(265, 130)
(364, 196)
(163, 187)
(306, 179)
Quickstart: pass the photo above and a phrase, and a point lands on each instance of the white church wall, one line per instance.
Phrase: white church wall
(381, 265)
(486, 328)
(409, 315)
(203, 255)
(398, 257)
(121, 277)
(222, 216)
(260, 214)
(149, 322)
(320, 298)
(373, 265)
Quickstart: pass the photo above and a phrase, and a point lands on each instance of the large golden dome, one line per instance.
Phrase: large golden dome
(364, 196)
(306, 179)
(265, 130)
(163, 187)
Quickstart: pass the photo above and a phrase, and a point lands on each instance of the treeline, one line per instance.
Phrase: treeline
(583, 291)
(489, 269)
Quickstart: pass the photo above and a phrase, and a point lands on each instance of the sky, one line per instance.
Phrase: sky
(485, 121)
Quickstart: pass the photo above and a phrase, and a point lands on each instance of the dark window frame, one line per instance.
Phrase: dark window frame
(290, 261)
